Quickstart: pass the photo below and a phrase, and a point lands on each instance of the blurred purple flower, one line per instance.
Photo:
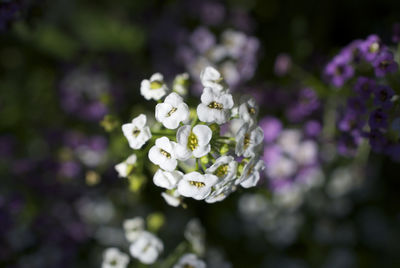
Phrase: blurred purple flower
(377, 141)
(371, 47)
(283, 63)
(364, 86)
(339, 70)
(202, 39)
(384, 63)
(383, 96)
(272, 127)
(378, 119)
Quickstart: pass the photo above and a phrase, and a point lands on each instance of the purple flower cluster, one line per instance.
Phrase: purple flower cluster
(8, 13)
(291, 157)
(360, 53)
(82, 93)
(305, 104)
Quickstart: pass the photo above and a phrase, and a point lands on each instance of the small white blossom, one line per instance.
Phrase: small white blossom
(248, 110)
(230, 72)
(251, 173)
(234, 42)
(163, 154)
(196, 185)
(172, 198)
(137, 133)
(195, 234)
(214, 107)
(123, 168)
(172, 111)
(248, 140)
(155, 88)
(221, 193)
(180, 84)
(282, 167)
(167, 179)
(146, 248)
(217, 53)
(193, 142)
(307, 152)
(190, 260)
(224, 168)
(211, 78)
(133, 228)
(289, 141)
(114, 258)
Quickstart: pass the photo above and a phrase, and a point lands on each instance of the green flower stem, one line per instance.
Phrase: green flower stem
(174, 256)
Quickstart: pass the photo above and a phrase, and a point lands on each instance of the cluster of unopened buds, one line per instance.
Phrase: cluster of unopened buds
(205, 152)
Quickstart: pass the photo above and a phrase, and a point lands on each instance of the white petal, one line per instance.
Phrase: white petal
(203, 134)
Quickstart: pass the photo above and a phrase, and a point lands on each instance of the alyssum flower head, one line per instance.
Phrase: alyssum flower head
(195, 157)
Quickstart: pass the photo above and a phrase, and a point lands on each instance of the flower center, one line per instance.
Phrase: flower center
(383, 95)
(173, 110)
(384, 64)
(113, 262)
(165, 153)
(192, 141)
(252, 111)
(246, 141)
(215, 105)
(198, 184)
(188, 266)
(221, 170)
(156, 84)
(136, 132)
(374, 47)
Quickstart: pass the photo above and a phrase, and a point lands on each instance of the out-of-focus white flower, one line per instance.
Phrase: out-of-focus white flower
(196, 185)
(167, 179)
(221, 193)
(211, 78)
(248, 139)
(214, 107)
(234, 42)
(224, 168)
(195, 234)
(133, 228)
(155, 88)
(114, 258)
(190, 260)
(230, 73)
(217, 53)
(137, 133)
(123, 168)
(289, 141)
(248, 110)
(172, 111)
(307, 152)
(172, 198)
(180, 84)
(163, 154)
(146, 248)
(193, 142)
(282, 167)
(251, 173)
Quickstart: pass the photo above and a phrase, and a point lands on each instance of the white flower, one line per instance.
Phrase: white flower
(137, 133)
(124, 167)
(196, 185)
(214, 107)
(172, 111)
(248, 140)
(133, 228)
(167, 179)
(180, 84)
(307, 152)
(234, 42)
(282, 167)
(230, 72)
(224, 168)
(221, 193)
(114, 258)
(248, 110)
(155, 88)
(163, 154)
(172, 198)
(190, 260)
(195, 234)
(217, 53)
(193, 142)
(251, 173)
(211, 78)
(146, 248)
(289, 141)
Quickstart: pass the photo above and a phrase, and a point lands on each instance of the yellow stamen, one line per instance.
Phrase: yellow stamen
(192, 141)
(221, 170)
(252, 111)
(156, 84)
(173, 110)
(215, 105)
(374, 47)
(165, 153)
(246, 141)
(136, 132)
(198, 184)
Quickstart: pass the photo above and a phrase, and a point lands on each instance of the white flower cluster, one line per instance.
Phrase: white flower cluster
(202, 153)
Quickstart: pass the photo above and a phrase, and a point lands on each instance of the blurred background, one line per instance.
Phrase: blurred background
(70, 74)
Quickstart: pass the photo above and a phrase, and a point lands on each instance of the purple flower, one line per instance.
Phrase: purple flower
(383, 96)
(348, 143)
(8, 13)
(371, 47)
(356, 105)
(377, 140)
(352, 51)
(212, 13)
(69, 169)
(378, 119)
(384, 63)
(282, 65)
(339, 70)
(396, 33)
(364, 87)
(271, 153)
(307, 103)
(272, 127)
(202, 39)
(350, 121)
(312, 128)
